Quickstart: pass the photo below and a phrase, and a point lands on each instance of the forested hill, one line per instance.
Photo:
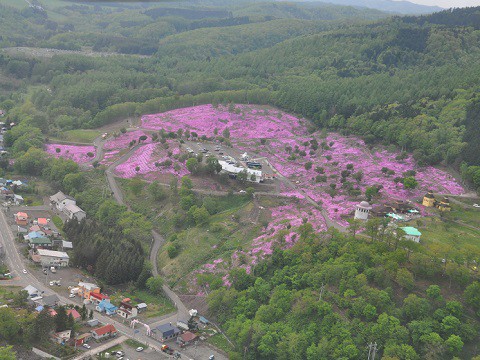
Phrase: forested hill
(411, 82)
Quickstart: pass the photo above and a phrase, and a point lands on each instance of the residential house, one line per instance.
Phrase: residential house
(21, 218)
(104, 332)
(85, 289)
(82, 339)
(42, 221)
(67, 244)
(75, 314)
(92, 322)
(40, 243)
(429, 199)
(62, 337)
(60, 200)
(186, 338)
(165, 332)
(412, 233)
(50, 258)
(106, 307)
(32, 291)
(50, 301)
(127, 310)
(18, 199)
(74, 212)
(96, 298)
(34, 235)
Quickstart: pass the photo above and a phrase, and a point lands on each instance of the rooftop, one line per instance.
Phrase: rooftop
(410, 230)
(43, 252)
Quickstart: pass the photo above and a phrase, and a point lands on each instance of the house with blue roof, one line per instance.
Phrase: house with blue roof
(106, 307)
(165, 332)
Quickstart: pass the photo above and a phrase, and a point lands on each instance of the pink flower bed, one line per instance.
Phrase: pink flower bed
(145, 158)
(245, 122)
(76, 153)
(123, 140)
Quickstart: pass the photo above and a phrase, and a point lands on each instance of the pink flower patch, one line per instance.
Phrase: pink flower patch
(77, 153)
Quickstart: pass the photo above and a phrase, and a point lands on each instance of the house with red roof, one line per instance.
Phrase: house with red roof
(104, 332)
(76, 316)
(96, 298)
(21, 218)
(127, 310)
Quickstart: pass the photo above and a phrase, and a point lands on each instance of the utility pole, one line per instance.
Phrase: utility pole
(372, 350)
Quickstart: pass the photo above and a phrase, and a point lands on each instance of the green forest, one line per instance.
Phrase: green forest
(411, 83)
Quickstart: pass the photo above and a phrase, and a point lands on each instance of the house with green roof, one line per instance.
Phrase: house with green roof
(41, 242)
(411, 233)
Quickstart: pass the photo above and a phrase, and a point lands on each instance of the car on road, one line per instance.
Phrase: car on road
(139, 349)
(476, 205)
(71, 295)
(212, 357)
(24, 271)
(86, 346)
(52, 283)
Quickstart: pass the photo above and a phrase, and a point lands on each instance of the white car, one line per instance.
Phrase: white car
(139, 349)
(24, 271)
(476, 205)
(86, 346)
(71, 295)
(52, 283)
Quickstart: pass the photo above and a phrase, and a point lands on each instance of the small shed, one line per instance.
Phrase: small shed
(141, 307)
(186, 338)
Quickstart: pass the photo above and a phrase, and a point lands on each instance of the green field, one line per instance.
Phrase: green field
(158, 305)
(80, 136)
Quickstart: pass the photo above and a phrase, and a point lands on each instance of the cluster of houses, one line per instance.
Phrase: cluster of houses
(91, 293)
(42, 240)
(9, 187)
(68, 206)
(40, 302)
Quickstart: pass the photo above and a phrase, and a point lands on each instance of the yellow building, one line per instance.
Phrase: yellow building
(444, 205)
(429, 199)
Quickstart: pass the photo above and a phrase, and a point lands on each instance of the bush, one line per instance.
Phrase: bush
(173, 250)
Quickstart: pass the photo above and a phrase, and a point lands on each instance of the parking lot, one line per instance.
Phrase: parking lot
(222, 152)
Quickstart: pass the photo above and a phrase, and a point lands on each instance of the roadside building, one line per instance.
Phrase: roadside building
(165, 332)
(186, 338)
(127, 310)
(50, 258)
(104, 332)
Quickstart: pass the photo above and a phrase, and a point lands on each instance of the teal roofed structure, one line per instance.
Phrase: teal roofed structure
(412, 233)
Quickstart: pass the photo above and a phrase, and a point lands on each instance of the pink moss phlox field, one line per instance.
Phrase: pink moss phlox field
(123, 140)
(77, 153)
(145, 158)
(246, 121)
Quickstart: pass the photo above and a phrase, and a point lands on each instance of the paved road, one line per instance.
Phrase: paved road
(158, 240)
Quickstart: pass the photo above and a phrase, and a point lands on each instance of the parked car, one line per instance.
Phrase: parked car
(52, 283)
(71, 295)
(139, 349)
(86, 346)
(24, 271)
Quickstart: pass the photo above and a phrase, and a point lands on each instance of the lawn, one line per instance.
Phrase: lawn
(109, 350)
(57, 221)
(448, 235)
(79, 136)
